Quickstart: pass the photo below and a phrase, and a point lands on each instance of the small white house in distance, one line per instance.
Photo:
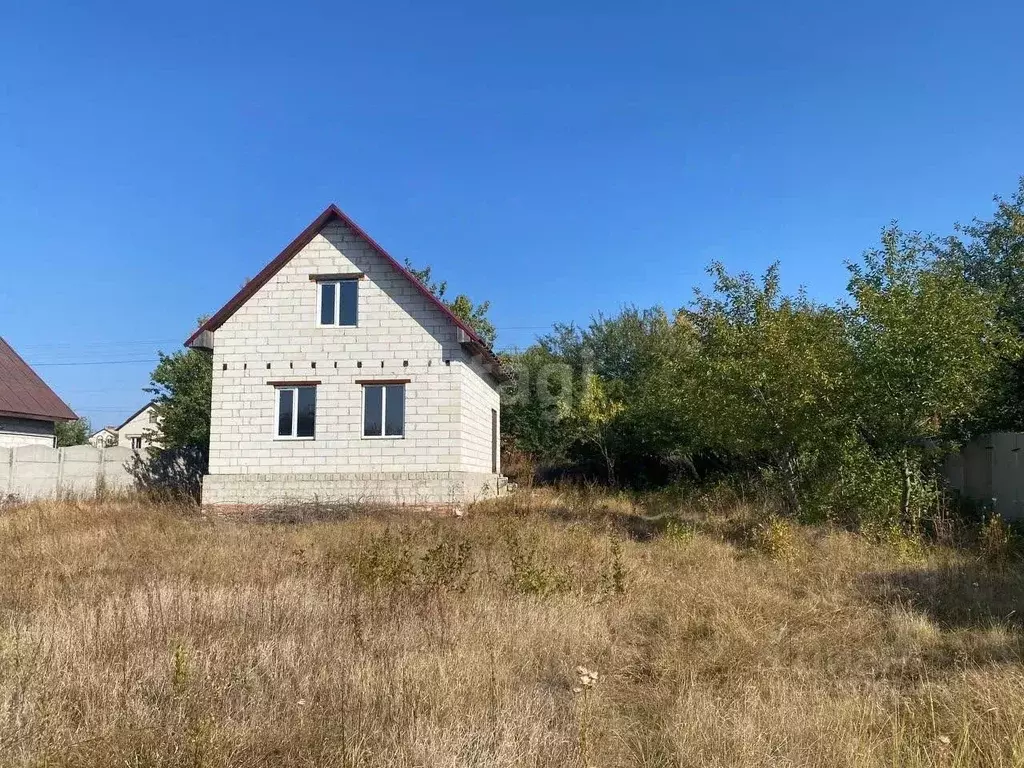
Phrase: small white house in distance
(103, 438)
(338, 376)
(138, 429)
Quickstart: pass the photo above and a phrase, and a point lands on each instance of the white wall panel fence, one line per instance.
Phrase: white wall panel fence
(990, 471)
(35, 471)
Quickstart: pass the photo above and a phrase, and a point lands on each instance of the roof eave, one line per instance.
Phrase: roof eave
(201, 340)
(38, 416)
(54, 410)
(484, 355)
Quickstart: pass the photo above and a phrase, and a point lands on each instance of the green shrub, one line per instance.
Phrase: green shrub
(773, 537)
(677, 530)
(386, 561)
(448, 564)
(527, 574)
(996, 541)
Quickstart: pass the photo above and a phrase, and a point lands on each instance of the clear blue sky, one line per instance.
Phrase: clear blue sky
(556, 158)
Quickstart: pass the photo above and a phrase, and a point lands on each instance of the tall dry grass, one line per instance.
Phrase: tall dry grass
(136, 635)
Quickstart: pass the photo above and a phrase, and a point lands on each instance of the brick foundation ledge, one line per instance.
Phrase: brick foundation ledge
(412, 489)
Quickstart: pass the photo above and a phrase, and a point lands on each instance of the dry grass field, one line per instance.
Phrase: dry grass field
(140, 635)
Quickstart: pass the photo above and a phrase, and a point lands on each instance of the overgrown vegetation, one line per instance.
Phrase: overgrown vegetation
(843, 411)
(551, 628)
(181, 385)
(69, 433)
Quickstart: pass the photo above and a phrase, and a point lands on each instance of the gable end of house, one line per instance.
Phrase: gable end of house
(469, 339)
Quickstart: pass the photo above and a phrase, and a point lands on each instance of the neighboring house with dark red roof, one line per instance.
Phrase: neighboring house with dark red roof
(337, 375)
(28, 408)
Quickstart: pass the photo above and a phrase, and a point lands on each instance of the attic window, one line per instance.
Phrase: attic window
(339, 302)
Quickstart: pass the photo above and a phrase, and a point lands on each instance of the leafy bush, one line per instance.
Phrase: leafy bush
(773, 537)
(448, 564)
(843, 411)
(527, 574)
(996, 541)
(174, 474)
(386, 561)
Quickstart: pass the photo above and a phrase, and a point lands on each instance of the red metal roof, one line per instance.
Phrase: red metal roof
(330, 213)
(24, 394)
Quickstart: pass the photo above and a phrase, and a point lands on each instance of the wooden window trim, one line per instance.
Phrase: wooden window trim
(327, 278)
(294, 436)
(383, 384)
(336, 282)
(304, 383)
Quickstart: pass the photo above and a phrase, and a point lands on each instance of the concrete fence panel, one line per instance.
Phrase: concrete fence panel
(79, 468)
(116, 461)
(39, 472)
(5, 470)
(1007, 477)
(990, 472)
(35, 471)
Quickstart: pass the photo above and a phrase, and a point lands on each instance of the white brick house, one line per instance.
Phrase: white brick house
(140, 429)
(338, 376)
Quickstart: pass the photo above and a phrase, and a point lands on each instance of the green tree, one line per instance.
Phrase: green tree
(474, 315)
(927, 345)
(990, 253)
(594, 419)
(770, 380)
(634, 354)
(69, 433)
(554, 409)
(181, 384)
(535, 404)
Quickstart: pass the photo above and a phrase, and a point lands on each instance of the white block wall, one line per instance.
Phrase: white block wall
(478, 399)
(275, 336)
(15, 432)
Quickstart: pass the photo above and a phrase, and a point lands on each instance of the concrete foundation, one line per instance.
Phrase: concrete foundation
(413, 489)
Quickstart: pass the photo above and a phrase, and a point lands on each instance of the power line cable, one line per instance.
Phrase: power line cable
(140, 342)
(96, 362)
(91, 344)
